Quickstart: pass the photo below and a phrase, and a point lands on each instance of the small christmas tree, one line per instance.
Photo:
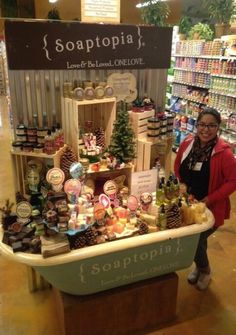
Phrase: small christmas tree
(122, 145)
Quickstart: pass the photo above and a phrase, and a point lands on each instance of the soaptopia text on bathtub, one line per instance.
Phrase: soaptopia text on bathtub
(134, 262)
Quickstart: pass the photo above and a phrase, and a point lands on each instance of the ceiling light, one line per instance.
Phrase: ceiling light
(52, 1)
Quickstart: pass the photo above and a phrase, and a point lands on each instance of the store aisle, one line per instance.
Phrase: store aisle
(207, 313)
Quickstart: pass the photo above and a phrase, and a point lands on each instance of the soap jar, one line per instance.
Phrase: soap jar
(49, 145)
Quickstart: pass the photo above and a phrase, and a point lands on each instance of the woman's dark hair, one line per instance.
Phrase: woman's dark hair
(210, 111)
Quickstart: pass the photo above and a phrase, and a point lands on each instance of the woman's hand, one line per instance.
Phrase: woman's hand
(205, 200)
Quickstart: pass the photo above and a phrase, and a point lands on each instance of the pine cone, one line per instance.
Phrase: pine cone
(77, 241)
(143, 227)
(20, 197)
(91, 236)
(67, 158)
(173, 217)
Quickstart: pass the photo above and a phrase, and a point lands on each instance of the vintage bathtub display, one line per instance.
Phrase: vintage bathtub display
(116, 263)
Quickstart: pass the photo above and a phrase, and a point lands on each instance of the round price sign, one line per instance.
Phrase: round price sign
(23, 210)
(110, 188)
(55, 176)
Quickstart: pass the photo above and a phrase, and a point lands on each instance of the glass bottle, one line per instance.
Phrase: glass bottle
(161, 222)
(49, 146)
(33, 178)
(160, 195)
(60, 135)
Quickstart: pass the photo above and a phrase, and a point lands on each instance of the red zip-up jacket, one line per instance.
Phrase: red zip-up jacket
(222, 176)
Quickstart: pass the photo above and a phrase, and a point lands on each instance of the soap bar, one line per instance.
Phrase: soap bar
(149, 219)
(17, 246)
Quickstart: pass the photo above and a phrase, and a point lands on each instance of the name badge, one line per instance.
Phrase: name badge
(197, 166)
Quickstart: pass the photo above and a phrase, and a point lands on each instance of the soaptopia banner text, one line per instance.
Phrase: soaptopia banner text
(72, 45)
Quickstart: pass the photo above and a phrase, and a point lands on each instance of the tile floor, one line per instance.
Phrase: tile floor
(212, 312)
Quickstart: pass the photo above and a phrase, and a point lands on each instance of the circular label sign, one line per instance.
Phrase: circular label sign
(72, 186)
(23, 209)
(104, 200)
(110, 188)
(132, 203)
(55, 176)
(76, 170)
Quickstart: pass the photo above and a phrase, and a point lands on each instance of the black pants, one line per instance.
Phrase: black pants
(201, 258)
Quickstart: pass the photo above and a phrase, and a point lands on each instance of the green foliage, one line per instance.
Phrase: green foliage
(185, 25)
(54, 14)
(155, 13)
(122, 145)
(203, 30)
(222, 11)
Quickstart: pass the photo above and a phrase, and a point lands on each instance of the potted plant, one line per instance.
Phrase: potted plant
(185, 25)
(54, 14)
(221, 11)
(201, 31)
(155, 13)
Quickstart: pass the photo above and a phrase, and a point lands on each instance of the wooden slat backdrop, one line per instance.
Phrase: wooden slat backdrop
(36, 95)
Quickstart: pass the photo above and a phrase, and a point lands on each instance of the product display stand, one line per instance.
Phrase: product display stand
(124, 310)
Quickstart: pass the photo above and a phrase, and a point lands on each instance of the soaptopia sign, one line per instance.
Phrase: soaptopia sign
(71, 45)
(125, 267)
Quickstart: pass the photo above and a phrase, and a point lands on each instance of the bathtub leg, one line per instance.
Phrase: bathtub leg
(36, 281)
(32, 280)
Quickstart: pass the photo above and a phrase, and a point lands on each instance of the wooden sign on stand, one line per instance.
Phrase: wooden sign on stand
(100, 11)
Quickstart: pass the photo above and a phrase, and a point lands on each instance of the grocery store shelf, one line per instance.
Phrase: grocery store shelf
(191, 70)
(206, 56)
(231, 95)
(228, 76)
(189, 99)
(190, 84)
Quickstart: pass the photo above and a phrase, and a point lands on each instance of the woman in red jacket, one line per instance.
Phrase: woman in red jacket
(206, 164)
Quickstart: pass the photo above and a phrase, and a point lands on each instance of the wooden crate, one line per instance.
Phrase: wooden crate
(19, 163)
(139, 122)
(101, 177)
(102, 112)
(148, 152)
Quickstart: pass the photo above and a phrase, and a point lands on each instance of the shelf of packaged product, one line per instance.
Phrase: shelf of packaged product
(191, 84)
(189, 99)
(186, 114)
(222, 93)
(207, 57)
(228, 76)
(191, 70)
(19, 165)
(223, 110)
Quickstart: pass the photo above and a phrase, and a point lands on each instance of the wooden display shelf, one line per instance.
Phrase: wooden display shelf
(126, 310)
(102, 113)
(19, 164)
